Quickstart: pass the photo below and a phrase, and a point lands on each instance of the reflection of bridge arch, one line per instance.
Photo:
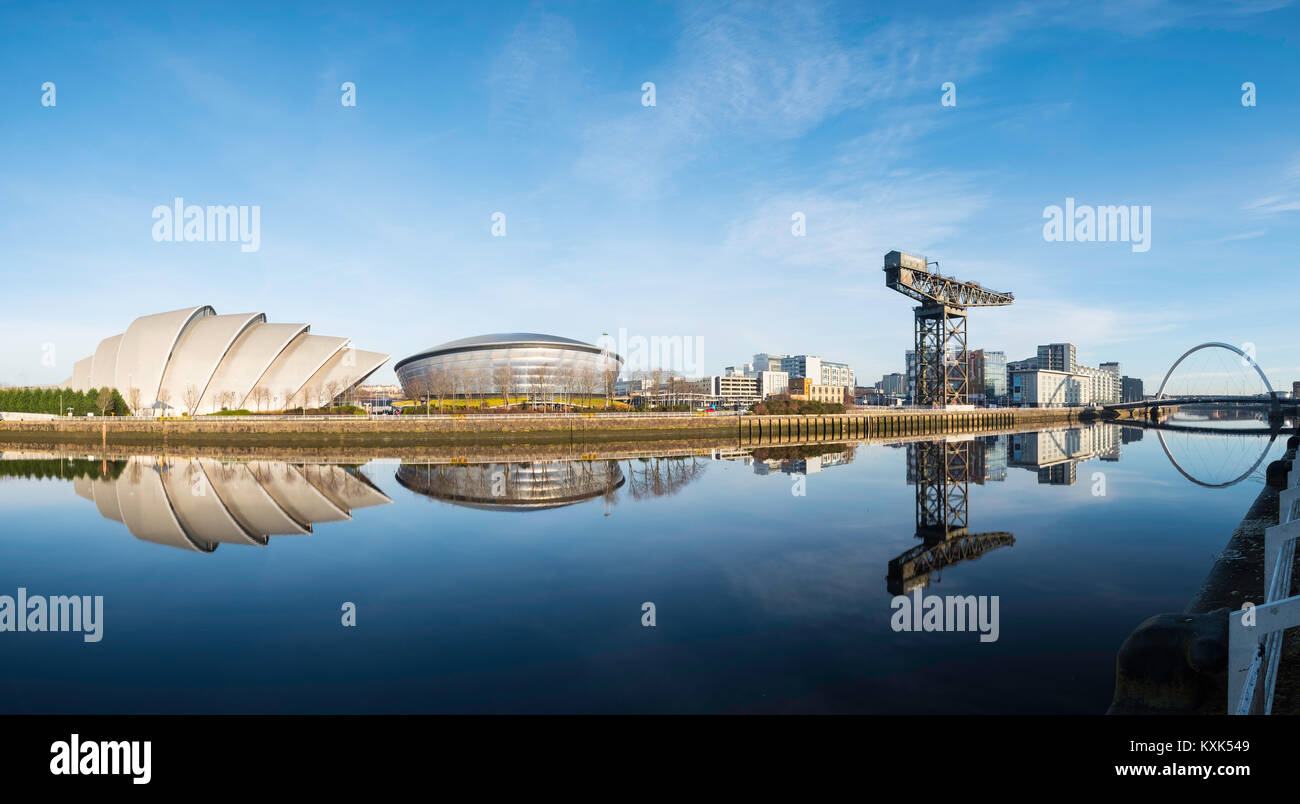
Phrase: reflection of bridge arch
(1262, 455)
(1214, 345)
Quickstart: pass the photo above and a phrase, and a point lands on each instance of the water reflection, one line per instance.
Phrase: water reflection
(200, 503)
(546, 484)
(1055, 454)
(942, 472)
(786, 598)
(530, 486)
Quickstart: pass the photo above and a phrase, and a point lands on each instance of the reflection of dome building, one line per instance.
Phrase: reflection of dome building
(535, 364)
(198, 503)
(222, 361)
(517, 486)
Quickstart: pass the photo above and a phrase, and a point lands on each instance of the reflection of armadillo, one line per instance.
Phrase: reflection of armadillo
(1173, 664)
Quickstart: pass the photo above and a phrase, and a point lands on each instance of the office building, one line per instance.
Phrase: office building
(995, 377)
(1101, 386)
(1131, 389)
(771, 383)
(764, 361)
(809, 366)
(833, 373)
(804, 388)
(734, 390)
(1056, 357)
(1041, 388)
(975, 379)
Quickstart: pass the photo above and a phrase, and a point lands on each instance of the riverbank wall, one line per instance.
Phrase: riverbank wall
(378, 431)
(1176, 663)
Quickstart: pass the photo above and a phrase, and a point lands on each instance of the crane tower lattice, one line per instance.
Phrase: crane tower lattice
(942, 360)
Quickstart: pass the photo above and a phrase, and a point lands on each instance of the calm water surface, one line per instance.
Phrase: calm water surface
(519, 587)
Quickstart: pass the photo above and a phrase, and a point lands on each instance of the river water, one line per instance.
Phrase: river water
(521, 586)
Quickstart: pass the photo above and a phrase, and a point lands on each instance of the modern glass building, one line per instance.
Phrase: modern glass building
(517, 364)
(995, 375)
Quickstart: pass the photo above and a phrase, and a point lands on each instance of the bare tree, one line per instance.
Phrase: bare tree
(441, 383)
(564, 382)
(540, 382)
(165, 396)
(423, 388)
(455, 386)
(657, 382)
(133, 399)
(332, 390)
(103, 399)
(191, 398)
(503, 377)
(226, 399)
(595, 384)
(586, 384)
(610, 378)
(286, 394)
(481, 383)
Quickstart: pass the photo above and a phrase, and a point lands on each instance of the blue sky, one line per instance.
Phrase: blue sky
(666, 220)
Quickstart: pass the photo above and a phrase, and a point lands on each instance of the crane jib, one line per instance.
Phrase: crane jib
(941, 370)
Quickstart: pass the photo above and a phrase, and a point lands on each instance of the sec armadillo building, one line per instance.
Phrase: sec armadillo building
(196, 361)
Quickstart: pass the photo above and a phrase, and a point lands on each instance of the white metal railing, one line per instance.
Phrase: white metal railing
(1255, 633)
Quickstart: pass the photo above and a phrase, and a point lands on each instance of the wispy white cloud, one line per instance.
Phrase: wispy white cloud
(749, 74)
(1286, 198)
(532, 69)
(1251, 235)
(846, 225)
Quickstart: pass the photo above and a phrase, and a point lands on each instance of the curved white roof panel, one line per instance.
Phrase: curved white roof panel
(345, 489)
(147, 347)
(348, 367)
(106, 499)
(290, 489)
(147, 511)
(296, 364)
(200, 511)
(248, 502)
(246, 361)
(200, 503)
(199, 352)
(105, 363)
(222, 359)
(81, 374)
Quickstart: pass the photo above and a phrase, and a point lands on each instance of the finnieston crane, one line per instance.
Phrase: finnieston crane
(942, 362)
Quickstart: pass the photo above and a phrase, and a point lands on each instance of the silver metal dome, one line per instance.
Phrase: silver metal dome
(517, 364)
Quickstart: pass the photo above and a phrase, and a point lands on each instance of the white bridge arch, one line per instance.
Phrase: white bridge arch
(1215, 345)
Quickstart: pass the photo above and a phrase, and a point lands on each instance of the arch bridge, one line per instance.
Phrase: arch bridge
(1275, 400)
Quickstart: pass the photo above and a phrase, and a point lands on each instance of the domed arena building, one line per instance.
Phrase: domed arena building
(195, 361)
(516, 364)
